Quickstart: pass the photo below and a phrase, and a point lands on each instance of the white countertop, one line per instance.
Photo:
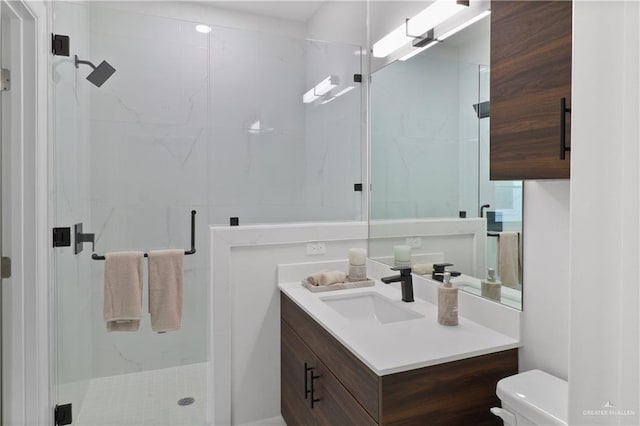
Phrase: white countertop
(399, 346)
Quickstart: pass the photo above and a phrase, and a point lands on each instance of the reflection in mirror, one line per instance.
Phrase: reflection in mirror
(430, 186)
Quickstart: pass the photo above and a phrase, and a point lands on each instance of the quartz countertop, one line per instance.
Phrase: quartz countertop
(404, 345)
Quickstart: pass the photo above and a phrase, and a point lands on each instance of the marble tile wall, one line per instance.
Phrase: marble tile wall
(149, 153)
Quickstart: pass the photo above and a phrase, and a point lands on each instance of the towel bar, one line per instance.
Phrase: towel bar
(497, 234)
(96, 256)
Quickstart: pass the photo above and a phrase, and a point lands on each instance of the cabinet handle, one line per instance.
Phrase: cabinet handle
(307, 369)
(313, 398)
(563, 128)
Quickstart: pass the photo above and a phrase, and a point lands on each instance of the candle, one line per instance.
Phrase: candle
(402, 254)
(357, 257)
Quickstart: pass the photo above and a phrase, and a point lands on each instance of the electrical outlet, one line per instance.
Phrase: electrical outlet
(414, 242)
(315, 249)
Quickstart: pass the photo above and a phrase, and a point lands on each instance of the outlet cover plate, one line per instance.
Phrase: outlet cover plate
(316, 249)
(414, 242)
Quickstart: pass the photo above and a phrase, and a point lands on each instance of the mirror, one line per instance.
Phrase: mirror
(430, 187)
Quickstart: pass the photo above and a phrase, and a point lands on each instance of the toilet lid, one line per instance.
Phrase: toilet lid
(536, 395)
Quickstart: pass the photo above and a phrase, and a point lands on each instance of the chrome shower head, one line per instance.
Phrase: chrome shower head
(100, 74)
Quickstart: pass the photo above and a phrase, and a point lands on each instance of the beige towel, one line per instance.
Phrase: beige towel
(422, 268)
(123, 290)
(165, 289)
(327, 278)
(509, 259)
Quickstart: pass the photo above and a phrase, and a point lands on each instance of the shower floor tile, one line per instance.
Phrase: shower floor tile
(147, 398)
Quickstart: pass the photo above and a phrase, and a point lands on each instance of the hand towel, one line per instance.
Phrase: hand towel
(509, 259)
(422, 268)
(166, 276)
(123, 290)
(327, 278)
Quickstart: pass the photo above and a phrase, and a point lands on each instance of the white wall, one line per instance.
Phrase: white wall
(246, 316)
(605, 216)
(546, 252)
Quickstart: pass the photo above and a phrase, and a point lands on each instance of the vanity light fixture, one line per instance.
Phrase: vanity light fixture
(446, 35)
(423, 45)
(320, 89)
(418, 26)
(464, 25)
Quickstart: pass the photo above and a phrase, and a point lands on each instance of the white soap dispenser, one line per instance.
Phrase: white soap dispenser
(447, 302)
(491, 288)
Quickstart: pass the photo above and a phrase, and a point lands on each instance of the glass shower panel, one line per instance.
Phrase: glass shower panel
(131, 163)
(273, 157)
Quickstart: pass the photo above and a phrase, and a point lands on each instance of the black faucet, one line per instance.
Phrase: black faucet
(406, 281)
(439, 269)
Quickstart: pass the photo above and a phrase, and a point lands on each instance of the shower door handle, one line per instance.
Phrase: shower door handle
(563, 128)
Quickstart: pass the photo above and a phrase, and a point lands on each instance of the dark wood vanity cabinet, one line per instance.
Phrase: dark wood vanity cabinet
(530, 75)
(323, 383)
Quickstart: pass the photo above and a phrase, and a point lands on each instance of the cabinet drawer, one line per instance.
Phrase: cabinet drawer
(356, 377)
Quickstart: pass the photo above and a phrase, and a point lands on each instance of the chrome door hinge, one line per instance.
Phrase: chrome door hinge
(5, 267)
(5, 79)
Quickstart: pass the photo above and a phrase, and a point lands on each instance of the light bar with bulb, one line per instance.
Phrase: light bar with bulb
(464, 25)
(434, 14)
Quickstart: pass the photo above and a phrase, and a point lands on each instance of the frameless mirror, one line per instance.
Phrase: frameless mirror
(430, 187)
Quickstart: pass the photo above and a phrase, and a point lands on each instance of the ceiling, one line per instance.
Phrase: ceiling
(300, 11)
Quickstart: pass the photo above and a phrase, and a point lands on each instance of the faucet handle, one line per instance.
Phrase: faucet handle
(404, 270)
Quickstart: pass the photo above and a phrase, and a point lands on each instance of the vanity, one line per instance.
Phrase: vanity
(364, 357)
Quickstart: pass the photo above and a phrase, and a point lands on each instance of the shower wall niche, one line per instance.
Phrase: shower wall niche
(212, 122)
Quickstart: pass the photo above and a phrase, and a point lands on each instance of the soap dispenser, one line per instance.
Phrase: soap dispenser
(447, 302)
(491, 288)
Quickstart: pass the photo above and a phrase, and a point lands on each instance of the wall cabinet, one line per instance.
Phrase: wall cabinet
(323, 383)
(530, 75)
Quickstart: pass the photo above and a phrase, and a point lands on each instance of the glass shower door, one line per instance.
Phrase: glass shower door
(129, 166)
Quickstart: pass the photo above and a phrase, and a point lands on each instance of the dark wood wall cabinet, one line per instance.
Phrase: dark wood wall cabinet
(323, 383)
(530, 89)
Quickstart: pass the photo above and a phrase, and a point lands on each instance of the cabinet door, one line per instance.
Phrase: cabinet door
(295, 358)
(335, 405)
(530, 74)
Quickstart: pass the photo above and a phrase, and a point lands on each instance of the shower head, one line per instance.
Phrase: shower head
(100, 74)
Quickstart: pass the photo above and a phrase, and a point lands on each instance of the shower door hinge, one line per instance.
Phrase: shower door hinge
(62, 415)
(5, 79)
(357, 78)
(5, 267)
(62, 237)
(60, 45)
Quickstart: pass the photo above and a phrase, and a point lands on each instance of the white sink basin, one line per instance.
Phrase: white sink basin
(370, 307)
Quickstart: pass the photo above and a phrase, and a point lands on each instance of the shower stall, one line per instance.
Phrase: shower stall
(181, 116)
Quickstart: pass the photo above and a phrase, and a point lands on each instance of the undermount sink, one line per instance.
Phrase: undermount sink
(369, 307)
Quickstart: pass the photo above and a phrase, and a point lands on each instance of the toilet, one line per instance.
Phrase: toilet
(532, 398)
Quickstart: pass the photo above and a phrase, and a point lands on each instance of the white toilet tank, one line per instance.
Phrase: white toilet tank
(533, 398)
